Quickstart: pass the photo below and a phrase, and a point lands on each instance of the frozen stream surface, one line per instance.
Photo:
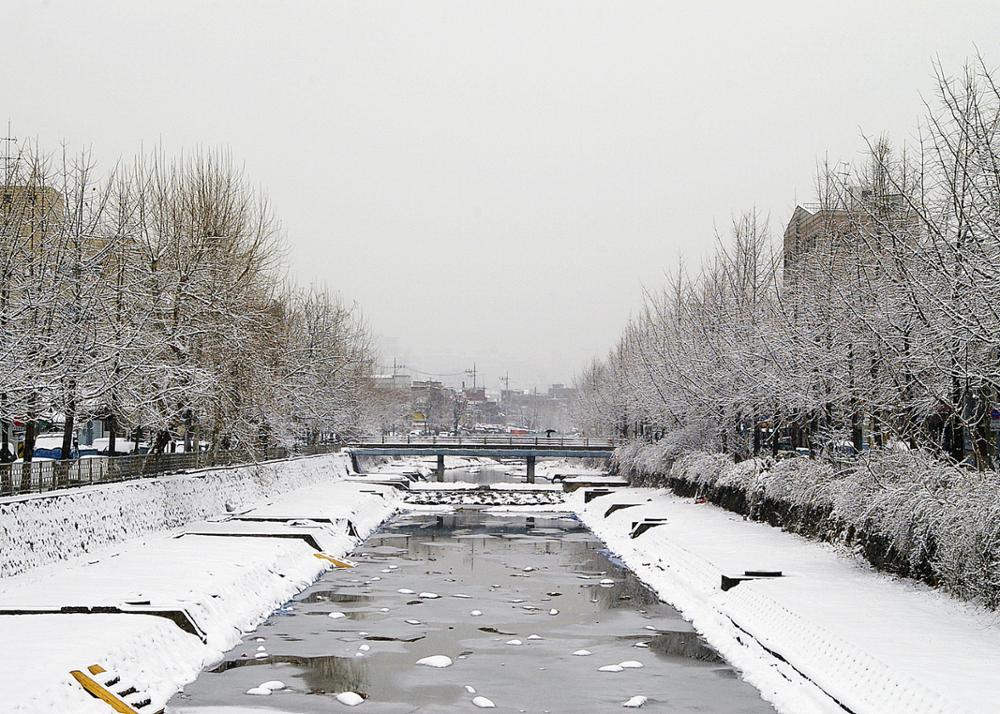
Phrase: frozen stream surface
(508, 599)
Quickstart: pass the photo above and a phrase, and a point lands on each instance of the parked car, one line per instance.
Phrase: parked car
(48, 446)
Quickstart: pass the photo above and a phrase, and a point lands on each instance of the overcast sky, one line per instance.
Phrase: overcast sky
(492, 182)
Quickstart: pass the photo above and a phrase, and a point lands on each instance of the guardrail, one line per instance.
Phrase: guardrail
(37, 476)
(482, 440)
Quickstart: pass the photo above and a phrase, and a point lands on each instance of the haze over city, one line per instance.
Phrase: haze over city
(520, 170)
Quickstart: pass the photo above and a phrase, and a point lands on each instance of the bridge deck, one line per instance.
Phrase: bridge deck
(496, 446)
(493, 445)
(500, 452)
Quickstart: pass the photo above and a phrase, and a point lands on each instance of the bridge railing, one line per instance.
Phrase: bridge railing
(482, 440)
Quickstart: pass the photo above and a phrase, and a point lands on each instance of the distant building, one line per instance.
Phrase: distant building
(561, 391)
(477, 394)
(30, 208)
(392, 381)
(538, 411)
(839, 234)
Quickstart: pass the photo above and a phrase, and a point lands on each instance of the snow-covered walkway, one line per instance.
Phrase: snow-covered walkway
(876, 644)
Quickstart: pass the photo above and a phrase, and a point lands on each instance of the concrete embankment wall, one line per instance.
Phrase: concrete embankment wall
(45, 528)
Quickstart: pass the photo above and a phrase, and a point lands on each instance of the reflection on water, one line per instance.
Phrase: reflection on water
(543, 581)
(334, 596)
(683, 644)
(499, 473)
(345, 673)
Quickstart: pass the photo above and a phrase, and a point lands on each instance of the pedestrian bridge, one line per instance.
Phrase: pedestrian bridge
(529, 448)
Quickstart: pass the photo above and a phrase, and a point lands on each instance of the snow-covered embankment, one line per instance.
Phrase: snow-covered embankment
(829, 630)
(60, 525)
(220, 578)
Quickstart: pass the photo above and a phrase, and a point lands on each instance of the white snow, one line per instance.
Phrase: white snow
(351, 699)
(483, 703)
(435, 661)
(225, 585)
(635, 702)
(878, 644)
(59, 525)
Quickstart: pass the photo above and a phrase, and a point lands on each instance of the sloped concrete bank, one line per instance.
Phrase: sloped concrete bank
(217, 579)
(45, 528)
(813, 628)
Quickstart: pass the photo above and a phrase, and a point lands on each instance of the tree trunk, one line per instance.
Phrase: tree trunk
(112, 436)
(68, 426)
(955, 436)
(29, 448)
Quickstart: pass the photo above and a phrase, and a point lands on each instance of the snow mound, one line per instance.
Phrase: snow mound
(351, 699)
(438, 661)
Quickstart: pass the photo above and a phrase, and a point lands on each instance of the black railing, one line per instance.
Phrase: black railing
(484, 440)
(37, 476)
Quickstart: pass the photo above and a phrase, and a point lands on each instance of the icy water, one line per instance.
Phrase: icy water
(483, 475)
(545, 589)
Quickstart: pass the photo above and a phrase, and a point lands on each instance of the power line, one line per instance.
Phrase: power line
(436, 374)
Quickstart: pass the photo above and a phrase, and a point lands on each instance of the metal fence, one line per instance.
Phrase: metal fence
(37, 476)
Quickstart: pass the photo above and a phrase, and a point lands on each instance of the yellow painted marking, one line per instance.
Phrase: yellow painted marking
(100, 692)
(336, 561)
(96, 669)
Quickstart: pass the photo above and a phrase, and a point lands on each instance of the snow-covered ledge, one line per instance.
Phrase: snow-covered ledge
(45, 528)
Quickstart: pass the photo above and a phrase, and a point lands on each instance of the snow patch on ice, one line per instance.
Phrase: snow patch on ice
(435, 661)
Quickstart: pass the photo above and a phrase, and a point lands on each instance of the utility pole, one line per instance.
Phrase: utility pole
(396, 366)
(8, 140)
(473, 373)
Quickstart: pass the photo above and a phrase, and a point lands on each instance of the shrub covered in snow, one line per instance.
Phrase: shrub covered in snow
(701, 468)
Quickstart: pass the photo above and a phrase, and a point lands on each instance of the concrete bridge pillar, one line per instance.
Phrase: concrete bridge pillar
(440, 468)
(531, 469)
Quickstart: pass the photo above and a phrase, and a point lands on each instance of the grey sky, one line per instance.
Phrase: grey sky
(492, 182)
